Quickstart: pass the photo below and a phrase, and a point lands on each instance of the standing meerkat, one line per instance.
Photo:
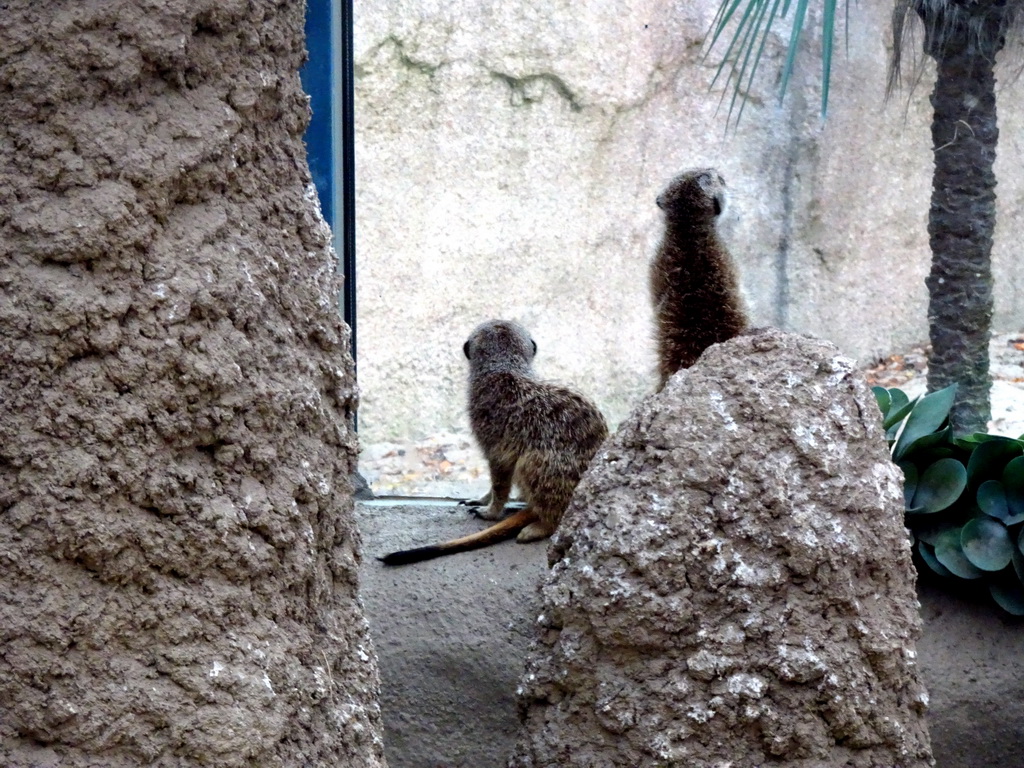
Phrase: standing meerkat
(535, 434)
(694, 286)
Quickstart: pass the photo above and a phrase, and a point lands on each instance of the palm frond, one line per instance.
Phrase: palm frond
(754, 20)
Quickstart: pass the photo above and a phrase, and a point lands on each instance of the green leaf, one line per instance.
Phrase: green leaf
(927, 552)
(751, 34)
(828, 23)
(754, 24)
(1013, 483)
(1009, 596)
(989, 457)
(931, 534)
(883, 398)
(899, 397)
(949, 553)
(794, 45)
(939, 486)
(986, 543)
(992, 499)
(928, 416)
(970, 442)
(933, 446)
(901, 406)
(910, 476)
(1018, 564)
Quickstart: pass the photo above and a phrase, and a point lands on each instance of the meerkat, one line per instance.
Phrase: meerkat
(535, 434)
(693, 282)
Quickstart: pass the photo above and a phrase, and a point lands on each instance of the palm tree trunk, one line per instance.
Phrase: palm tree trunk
(960, 225)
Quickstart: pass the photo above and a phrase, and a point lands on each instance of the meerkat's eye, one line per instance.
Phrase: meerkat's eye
(465, 349)
(718, 205)
(534, 347)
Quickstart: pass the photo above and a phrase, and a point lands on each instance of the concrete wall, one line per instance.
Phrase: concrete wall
(509, 154)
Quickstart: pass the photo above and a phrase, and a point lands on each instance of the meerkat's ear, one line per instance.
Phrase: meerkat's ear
(465, 349)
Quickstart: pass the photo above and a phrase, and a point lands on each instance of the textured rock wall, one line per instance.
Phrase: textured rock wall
(178, 559)
(734, 584)
(509, 155)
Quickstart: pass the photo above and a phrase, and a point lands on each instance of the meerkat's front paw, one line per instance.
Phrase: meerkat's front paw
(483, 501)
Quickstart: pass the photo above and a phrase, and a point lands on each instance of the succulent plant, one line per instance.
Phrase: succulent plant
(964, 495)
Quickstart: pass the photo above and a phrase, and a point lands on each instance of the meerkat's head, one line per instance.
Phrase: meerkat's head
(696, 194)
(500, 343)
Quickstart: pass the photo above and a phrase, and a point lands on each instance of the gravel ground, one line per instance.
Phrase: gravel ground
(450, 464)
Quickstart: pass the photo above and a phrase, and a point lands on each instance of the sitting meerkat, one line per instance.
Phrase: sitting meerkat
(693, 281)
(535, 434)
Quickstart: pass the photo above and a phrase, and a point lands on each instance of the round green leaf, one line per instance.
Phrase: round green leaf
(992, 499)
(1018, 564)
(949, 553)
(1013, 483)
(986, 543)
(989, 456)
(1009, 596)
(939, 486)
(970, 442)
(927, 552)
(932, 533)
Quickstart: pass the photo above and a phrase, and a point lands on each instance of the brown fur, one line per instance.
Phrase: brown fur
(693, 281)
(535, 434)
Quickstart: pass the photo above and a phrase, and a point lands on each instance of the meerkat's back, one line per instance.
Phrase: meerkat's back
(693, 281)
(535, 434)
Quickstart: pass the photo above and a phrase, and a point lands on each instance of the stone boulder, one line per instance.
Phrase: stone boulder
(732, 583)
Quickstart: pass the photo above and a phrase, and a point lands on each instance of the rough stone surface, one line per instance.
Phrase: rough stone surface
(452, 636)
(178, 556)
(509, 156)
(734, 584)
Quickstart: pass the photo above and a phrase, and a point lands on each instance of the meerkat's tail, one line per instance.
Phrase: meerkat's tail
(505, 529)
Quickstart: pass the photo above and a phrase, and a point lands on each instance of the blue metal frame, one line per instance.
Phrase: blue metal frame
(330, 137)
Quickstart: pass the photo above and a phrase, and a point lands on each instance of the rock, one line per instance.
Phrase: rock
(452, 636)
(732, 583)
